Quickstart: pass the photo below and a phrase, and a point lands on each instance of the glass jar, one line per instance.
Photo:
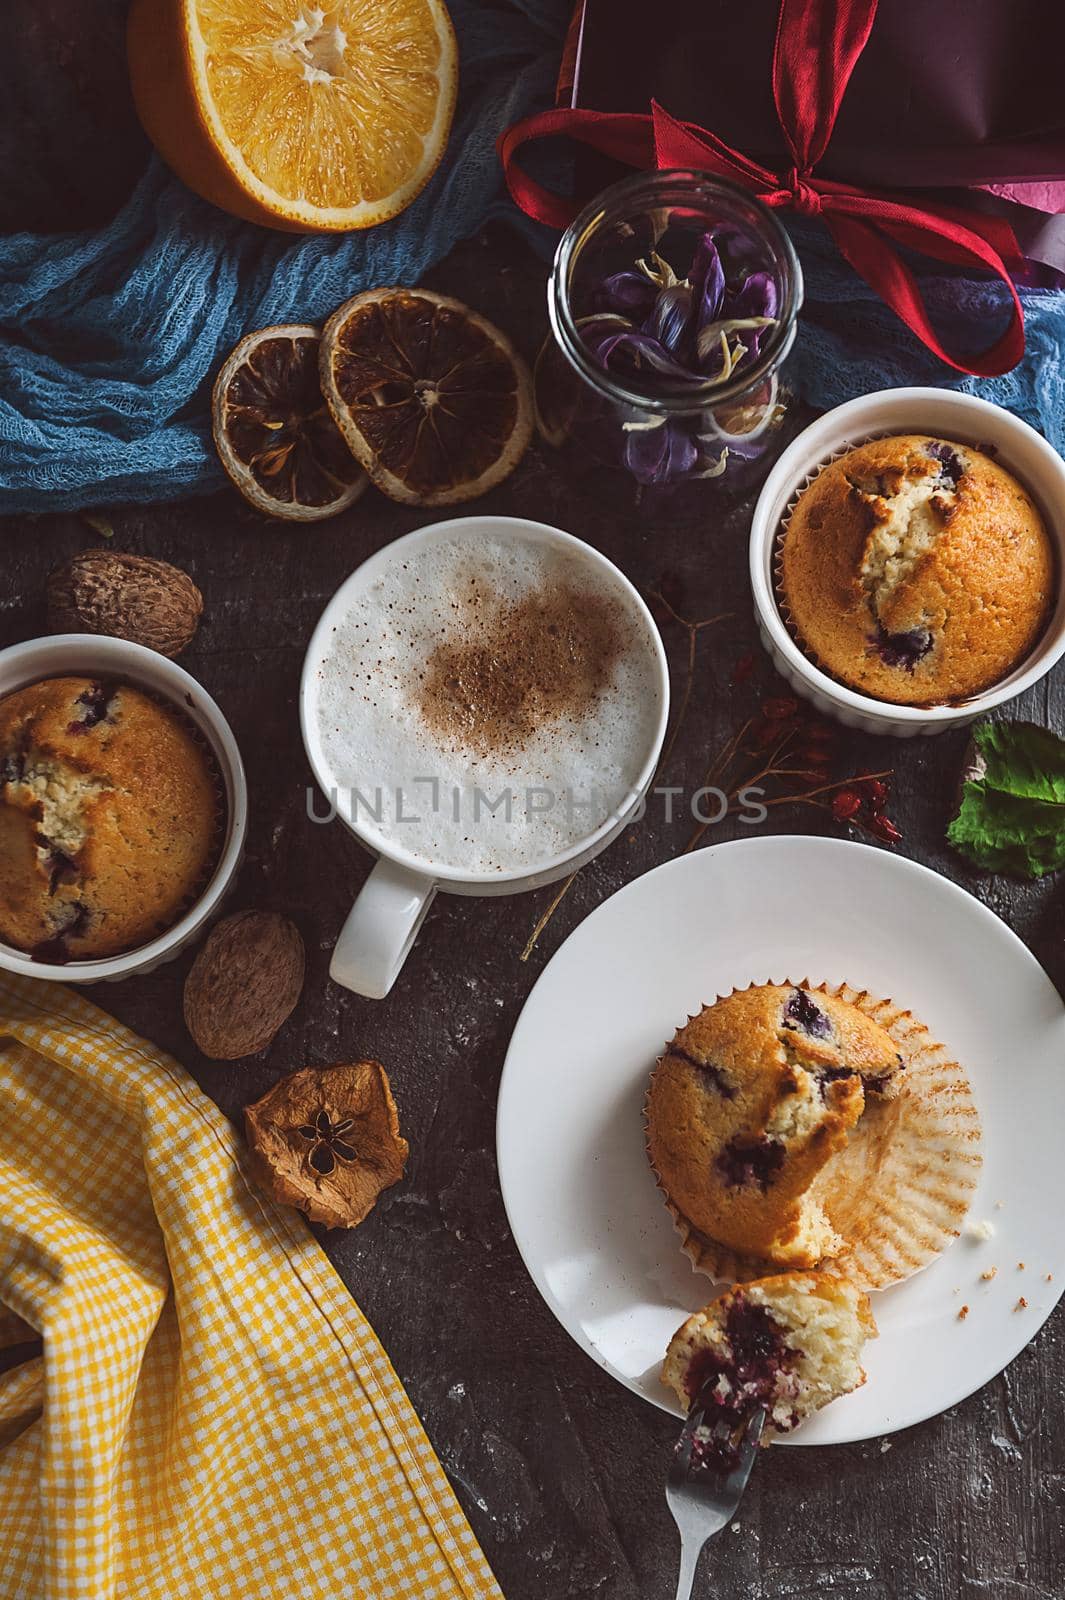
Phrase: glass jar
(661, 378)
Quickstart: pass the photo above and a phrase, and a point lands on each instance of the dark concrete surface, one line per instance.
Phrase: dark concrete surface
(559, 1468)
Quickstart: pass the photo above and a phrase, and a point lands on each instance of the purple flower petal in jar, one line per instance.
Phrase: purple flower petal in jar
(681, 453)
(758, 297)
(658, 452)
(716, 351)
(630, 293)
(670, 317)
(634, 352)
(646, 448)
(707, 279)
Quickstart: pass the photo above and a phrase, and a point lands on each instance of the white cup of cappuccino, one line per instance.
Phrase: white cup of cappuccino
(483, 703)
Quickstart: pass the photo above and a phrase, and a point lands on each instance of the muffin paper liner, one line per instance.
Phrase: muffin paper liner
(900, 1189)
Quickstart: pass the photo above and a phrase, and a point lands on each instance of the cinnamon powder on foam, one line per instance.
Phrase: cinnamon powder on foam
(511, 668)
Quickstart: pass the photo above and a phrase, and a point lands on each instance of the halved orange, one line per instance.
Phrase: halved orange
(433, 399)
(274, 433)
(294, 115)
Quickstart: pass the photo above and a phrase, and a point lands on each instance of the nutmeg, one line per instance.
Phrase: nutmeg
(129, 597)
(243, 984)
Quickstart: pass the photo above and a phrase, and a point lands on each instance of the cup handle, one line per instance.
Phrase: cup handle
(381, 927)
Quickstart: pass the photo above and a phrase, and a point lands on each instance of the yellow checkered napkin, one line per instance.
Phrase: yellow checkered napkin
(212, 1415)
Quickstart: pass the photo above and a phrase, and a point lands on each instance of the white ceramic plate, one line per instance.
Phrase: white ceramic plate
(583, 1205)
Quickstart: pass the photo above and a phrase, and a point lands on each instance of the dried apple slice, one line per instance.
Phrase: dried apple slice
(327, 1141)
(274, 433)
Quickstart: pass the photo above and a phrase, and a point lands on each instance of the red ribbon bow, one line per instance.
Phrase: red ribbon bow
(816, 47)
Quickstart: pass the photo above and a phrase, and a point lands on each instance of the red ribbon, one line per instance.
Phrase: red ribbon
(816, 47)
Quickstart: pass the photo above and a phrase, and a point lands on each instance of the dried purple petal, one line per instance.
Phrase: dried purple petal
(670, 316)
(707, 278)
(636, 352)
(630, 293)
(758, 297)
(686, 331)
(660, 454)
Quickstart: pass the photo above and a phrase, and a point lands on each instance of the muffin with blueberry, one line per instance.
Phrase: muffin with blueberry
(108, 818)
(917, 570)
(791, 1343)
(749, 1104)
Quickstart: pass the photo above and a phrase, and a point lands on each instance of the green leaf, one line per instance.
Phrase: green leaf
(1011, 817)
(99, 524)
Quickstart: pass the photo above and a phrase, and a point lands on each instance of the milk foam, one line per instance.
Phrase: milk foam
(408, 787)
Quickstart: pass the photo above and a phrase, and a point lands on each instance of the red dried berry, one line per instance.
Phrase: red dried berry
(813, 756)
(883, 828)
(846, 804)
(877, 791)
(779, 709)
(761, 734)
(744, 667)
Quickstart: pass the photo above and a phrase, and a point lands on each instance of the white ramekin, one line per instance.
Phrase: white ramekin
(948, 415)
(92, 656)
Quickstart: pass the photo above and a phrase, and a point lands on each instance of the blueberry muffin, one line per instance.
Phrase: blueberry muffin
(917, 571)
(793, 1343)
(749, 1103)
(108, 818)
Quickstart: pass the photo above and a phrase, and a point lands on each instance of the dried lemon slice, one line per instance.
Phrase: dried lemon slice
(298, 116)
(274, 433)
(432, 399)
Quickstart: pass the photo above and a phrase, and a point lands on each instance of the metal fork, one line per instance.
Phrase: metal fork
(703, 1499)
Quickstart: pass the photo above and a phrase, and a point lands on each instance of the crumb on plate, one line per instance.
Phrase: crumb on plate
(981, 1230)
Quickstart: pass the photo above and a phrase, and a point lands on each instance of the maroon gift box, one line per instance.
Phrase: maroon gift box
(890, 123)
(947, 94)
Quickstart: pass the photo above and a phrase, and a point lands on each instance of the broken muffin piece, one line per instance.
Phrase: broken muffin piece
(751, 1100)
(326, 1140)
(791, 1343)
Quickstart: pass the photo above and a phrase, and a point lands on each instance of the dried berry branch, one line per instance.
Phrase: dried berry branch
(662, 610)
(789, 746)
(556, 901)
